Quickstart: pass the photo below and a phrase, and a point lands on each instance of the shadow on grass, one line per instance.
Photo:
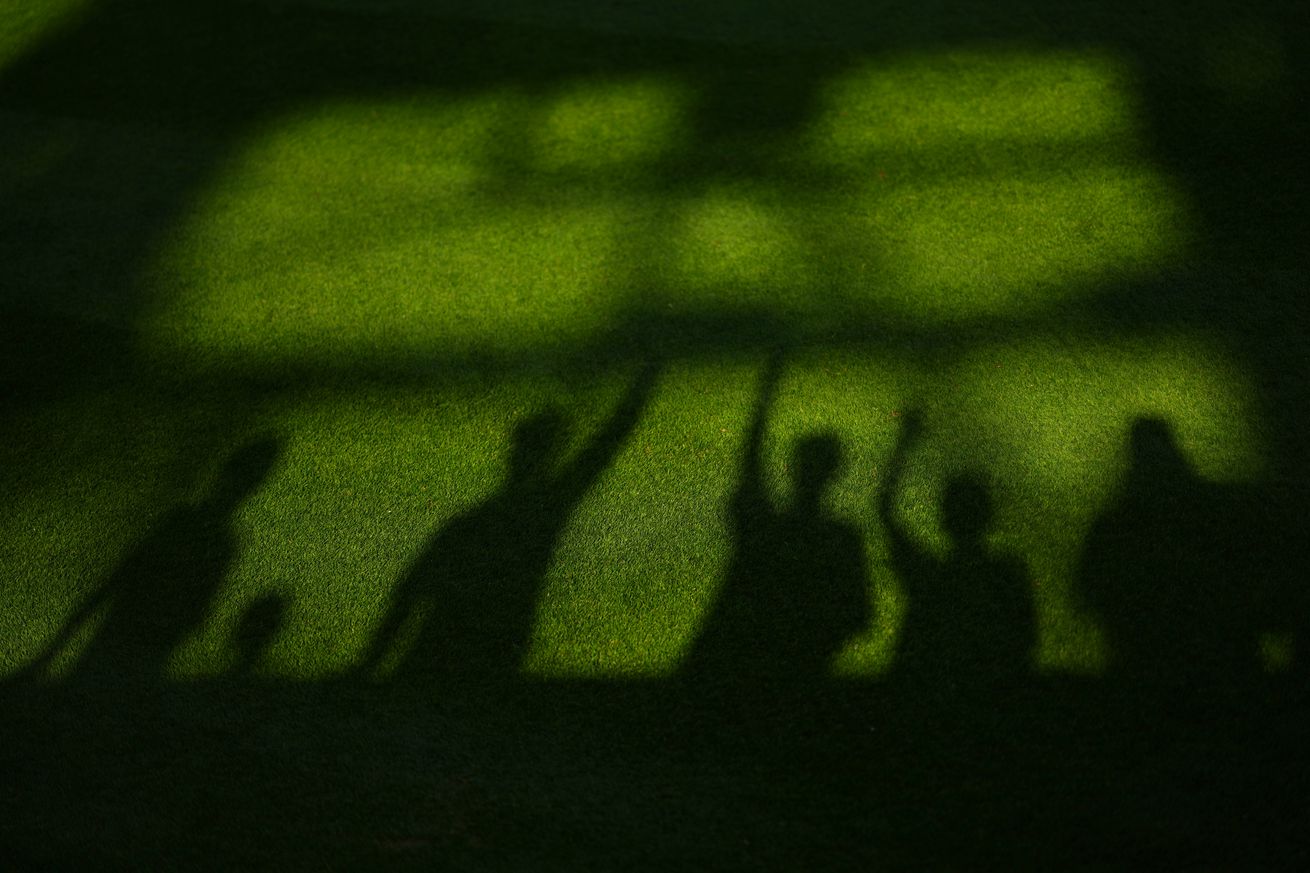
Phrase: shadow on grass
(466, 609)
(1182, 755)
(1177, 570)
(796, 589)
(970, 626)
(164, 590)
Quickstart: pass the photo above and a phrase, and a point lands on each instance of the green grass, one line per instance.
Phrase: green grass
(385, 236)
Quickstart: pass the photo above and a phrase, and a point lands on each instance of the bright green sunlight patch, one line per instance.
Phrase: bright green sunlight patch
(995, 183)
(960, 185)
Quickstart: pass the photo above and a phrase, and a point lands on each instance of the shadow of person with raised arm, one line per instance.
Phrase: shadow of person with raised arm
(467, 605)
(164, 589)
(962, 675)
(970, 622)
(797, 589)
(1170, 572)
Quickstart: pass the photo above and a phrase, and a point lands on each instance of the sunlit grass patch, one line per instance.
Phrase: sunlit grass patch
(494, 434)
(933, 243)
(614, 126)
(950, 187)
(979, 99)
(996, 183)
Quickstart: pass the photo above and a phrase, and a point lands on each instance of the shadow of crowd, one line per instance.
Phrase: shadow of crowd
(1186, 750)
(1182, 579)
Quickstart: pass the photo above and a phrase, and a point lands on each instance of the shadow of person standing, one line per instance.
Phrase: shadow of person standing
(963, 674)
(164, 589)
(763, 704)
(1168, 571)
(970, 622)
(1178, 571)
(797, 588)
(467, 605)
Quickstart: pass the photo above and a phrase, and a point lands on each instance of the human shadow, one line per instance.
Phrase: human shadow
(165, 588)
(656, 774)
(796, 590)
(467, 604)
(1172, 572)
(970, 622)
(327, 777)
(1181, 573)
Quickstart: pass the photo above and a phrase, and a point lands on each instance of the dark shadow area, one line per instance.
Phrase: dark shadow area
(466, 608)
(1185, 754)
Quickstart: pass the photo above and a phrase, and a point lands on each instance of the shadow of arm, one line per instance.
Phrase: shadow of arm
(902, 545)
(601, 449)
(750, 485)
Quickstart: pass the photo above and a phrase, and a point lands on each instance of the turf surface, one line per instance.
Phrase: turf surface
(508, 434)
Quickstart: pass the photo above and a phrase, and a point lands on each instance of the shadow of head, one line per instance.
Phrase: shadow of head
(537, 442)
(966, 511)
(263, 618)
(815, 462)
(1154, 449)
(246, 470)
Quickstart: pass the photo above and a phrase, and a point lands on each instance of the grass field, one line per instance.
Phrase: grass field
(513, 435)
